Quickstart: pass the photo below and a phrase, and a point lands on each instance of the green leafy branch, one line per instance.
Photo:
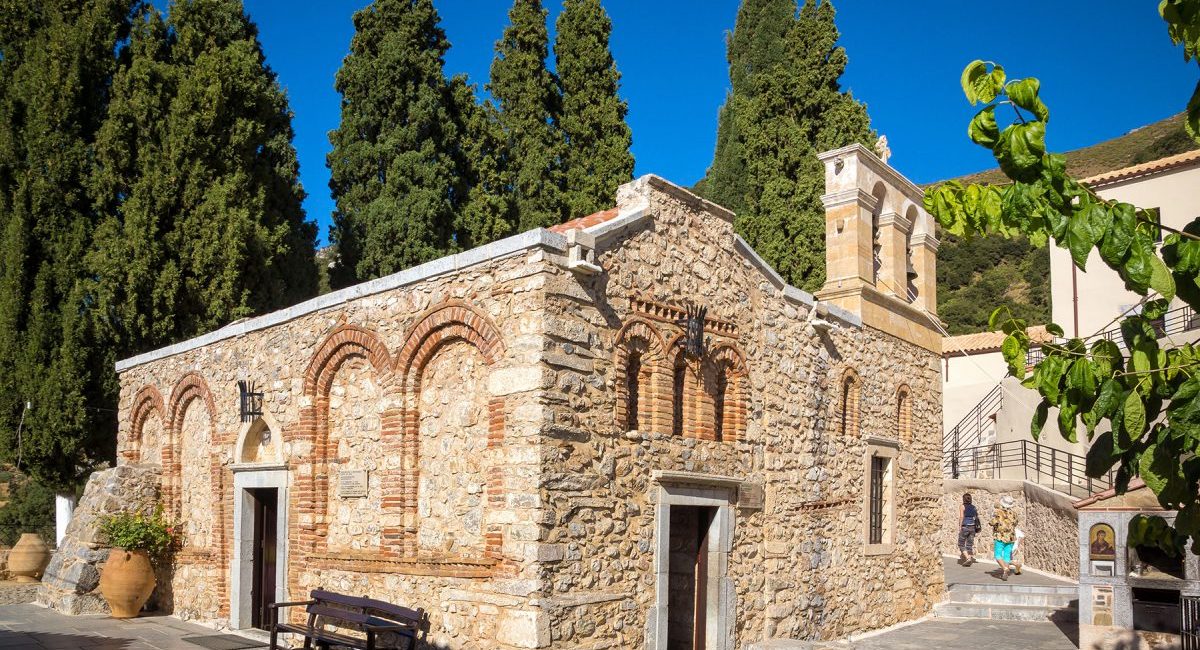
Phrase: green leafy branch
(1137, 405)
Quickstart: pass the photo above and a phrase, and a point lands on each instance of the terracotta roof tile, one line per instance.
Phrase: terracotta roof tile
(1152, 167)
(586, 222)
(1135, 483)
(988, 341)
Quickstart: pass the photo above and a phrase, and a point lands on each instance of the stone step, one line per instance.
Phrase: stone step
(1011, 588)
(996, 597)
(1003, 612)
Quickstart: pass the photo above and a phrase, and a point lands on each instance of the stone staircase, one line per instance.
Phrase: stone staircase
(1009, 602)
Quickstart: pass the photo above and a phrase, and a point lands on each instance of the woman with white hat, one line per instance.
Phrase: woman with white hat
(1004, 532)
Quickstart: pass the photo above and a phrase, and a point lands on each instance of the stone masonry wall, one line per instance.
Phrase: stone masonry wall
(797, 566)
(1048, 520)
(343, 385)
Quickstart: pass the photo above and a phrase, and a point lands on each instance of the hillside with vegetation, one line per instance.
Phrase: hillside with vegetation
(973, 274)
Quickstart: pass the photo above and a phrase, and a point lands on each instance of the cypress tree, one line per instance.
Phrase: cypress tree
(486, 212)
(786, 107)
(138, 276)
(597, 157)
(530, 104)
(239, 230)
(395, 171)
(755, 44)
(54, 93)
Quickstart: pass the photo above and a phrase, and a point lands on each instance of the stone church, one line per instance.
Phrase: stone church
(625, 431)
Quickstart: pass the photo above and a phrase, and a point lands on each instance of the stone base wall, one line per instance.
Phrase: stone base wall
(1050, 523)
(73, 575)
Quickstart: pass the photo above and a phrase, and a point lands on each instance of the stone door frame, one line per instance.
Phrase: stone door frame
(706, 490)
(246, 478)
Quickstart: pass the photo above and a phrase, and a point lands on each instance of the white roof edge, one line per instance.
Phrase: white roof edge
(846, 316)
(539, 237)
(744, 248)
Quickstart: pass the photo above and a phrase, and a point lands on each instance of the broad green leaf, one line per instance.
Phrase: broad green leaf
(1107, 357)
(1024, 93)
(1138, 269)
(1141, 360)
(1080, 239)
(1066, 421)
(983, 130)
(1054, 329)
(1148, 470)
(1014, 355)
(1081, 377)
(998, 317)
(1119, 236)
(1039, 419)
(1053, 367)
(1160, 278)
(1157, 308)
(1135, 415)
(1019, 150)
(1108, 399)
(971, 75)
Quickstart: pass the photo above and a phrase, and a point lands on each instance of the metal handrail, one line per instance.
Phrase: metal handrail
(969, 430)
(1058, 469)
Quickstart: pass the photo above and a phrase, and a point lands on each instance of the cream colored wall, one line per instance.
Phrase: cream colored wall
(966, 380)
(1101, 292)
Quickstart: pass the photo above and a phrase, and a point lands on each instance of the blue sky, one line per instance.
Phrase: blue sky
(1106, 67)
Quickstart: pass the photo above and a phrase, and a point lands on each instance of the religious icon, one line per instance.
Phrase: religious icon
(1100, 543)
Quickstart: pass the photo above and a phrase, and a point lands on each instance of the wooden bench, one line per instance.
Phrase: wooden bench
(374, 618)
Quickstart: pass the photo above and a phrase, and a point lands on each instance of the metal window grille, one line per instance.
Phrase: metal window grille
(1189, 610)
(251, 402)
(633, 374)
(878, 470)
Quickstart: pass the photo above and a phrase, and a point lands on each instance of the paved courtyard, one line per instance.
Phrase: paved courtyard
(29, 627)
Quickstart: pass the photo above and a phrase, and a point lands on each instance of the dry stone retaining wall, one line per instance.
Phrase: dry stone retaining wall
(73, 575)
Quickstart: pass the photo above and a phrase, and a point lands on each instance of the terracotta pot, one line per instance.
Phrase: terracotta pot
(28, 558)
(126, 582)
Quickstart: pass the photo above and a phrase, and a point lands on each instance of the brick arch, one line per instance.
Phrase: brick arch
(146, 402)
(849, 389)
(449, 322)
(652, 393)
(190, 387)
(904, 414)
(342, 344)
(730, 363)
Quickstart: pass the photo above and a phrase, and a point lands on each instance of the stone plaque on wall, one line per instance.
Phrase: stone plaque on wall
(750, 496)
(352, 483)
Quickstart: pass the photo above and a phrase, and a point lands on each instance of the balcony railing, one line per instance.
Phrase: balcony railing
(1176, 321)
(1054, 468)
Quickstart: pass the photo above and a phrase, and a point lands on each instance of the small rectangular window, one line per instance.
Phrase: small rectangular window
(879, 467)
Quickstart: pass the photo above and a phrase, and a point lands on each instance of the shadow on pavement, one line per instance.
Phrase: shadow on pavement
(1067, 622)
(50, 641)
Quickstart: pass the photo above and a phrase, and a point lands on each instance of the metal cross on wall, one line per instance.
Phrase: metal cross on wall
(251, 400)
(693, 326)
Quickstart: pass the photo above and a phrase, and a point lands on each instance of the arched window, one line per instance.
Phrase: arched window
(849, 414)
(678, 393)
(904, 415)
(633, 388)
(720, 391)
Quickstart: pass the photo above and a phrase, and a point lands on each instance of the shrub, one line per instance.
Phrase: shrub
(134, 531)
(30, 509)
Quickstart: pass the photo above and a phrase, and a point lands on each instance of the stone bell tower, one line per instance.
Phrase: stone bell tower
(880, 247)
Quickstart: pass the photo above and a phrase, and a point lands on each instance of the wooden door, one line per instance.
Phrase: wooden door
(262, 586)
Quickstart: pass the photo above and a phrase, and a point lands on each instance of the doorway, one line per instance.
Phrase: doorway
(688, 573)
(265, 504)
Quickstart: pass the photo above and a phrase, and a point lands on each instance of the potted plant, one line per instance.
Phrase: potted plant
(139, 542)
